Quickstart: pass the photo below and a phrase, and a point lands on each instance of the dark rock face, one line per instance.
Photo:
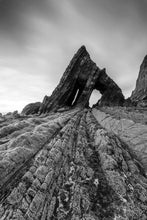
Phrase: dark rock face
(139, 95)
(32, 108)
(111, 93)
(77, 83)
(76, 163)
(73, 84)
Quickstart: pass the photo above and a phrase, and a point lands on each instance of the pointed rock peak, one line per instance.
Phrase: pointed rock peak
(82, 48)
(80, 78)
(144, 63)
(82, 51)
(139, 95)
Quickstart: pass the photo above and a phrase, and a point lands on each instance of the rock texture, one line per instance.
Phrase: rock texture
(136, 114)
(111, 93)
(75, 163)
(77, 83)
(70, 166)
(32, 108)
(135, 134)
(139, 95)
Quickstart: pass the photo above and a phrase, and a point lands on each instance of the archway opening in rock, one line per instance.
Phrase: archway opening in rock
(76, 97)
(95, 96)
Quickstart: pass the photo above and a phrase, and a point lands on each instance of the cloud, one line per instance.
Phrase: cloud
(17, 89)
(118, 34)
(39, 38)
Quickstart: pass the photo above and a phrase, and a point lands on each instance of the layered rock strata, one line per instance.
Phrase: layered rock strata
(71, 168)
(139, 95)
(138, 115)
(134, 134)
(75, 163)
(81, 77)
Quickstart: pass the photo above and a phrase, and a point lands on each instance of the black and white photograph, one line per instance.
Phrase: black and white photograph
(73, 110)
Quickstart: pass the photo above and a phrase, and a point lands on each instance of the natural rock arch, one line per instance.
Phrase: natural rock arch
(94, 98)
(76, 164)
(81, 77)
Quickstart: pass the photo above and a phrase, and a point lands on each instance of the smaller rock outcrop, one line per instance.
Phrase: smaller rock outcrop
(31, 108)
(139, 95)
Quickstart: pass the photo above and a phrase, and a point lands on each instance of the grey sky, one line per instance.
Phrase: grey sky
(38, 39)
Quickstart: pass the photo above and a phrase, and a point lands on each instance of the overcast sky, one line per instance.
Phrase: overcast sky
(39, 37)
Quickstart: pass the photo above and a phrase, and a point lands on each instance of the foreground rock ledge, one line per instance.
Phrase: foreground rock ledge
(69, 166)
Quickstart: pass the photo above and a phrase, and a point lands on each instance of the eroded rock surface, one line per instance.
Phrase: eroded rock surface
(136, 114)
(139, 95)
(111, 93)
(72, 162)
(81, 77)
(132, 133)
(66, 165)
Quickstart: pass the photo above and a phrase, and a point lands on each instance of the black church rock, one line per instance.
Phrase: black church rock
(81, 77)
(74, 162)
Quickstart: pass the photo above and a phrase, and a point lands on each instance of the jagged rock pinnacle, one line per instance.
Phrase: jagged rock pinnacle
(75, 163)
(81, 77)
(139, 95)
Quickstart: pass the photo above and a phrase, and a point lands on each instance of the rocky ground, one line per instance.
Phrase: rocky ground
(76, 165)
(136, 114)
(62, 161)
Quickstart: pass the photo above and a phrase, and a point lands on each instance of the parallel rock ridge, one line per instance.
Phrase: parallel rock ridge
(73, 162)
(76, 164)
